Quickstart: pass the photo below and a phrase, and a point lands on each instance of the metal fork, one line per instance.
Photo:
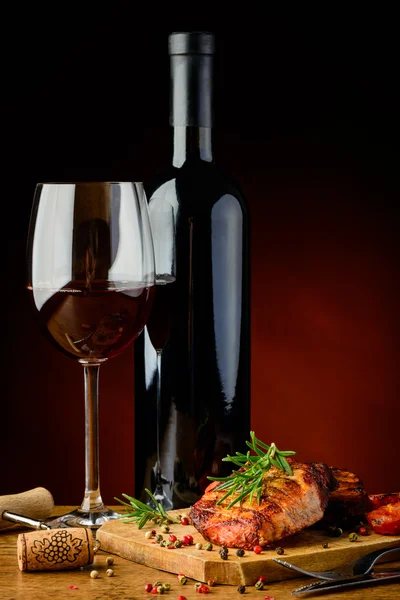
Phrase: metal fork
(359, 566)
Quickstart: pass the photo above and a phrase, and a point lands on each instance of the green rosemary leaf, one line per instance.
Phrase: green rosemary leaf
(249, 480)
(225, 486)
(228, 493)
(256, 450)
(239, 498)
(286, 465)
(143, 521)
(233, 460)
(137, 504)
(262, 445)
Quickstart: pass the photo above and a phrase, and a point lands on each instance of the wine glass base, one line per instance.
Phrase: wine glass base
(82, 518)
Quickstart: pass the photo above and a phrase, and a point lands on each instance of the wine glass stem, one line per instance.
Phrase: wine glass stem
(158, 463)
(92, 499)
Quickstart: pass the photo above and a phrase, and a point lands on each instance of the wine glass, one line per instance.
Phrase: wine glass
(91, 278)
(162, 219)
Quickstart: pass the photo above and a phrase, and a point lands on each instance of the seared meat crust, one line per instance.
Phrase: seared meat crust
(348, 503)
(288, 504)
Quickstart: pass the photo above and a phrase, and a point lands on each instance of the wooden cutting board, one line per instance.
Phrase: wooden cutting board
(303, 549)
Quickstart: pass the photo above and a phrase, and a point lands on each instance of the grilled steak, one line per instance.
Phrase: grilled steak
(347, 504)
(288, 504)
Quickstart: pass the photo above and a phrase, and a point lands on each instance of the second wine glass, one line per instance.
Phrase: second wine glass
(162, 220)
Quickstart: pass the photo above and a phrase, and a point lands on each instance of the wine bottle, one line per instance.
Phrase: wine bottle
(205, 392)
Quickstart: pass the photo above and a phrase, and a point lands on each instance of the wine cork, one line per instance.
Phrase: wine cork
(55, 549)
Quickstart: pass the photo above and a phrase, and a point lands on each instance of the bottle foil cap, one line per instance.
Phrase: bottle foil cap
(191, 42)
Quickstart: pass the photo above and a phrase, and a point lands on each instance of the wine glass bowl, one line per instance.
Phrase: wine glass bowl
(91, 278)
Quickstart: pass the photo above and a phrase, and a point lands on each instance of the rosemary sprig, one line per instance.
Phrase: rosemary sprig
(142, 513)
(248, 480)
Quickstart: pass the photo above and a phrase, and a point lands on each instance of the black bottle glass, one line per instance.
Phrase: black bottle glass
(202, 318)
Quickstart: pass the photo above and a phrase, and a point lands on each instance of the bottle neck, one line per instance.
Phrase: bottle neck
(191, 106)
(191, 143)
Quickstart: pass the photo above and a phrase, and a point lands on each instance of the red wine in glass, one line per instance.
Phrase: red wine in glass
(158, 327)
(160, 319)
(95, 322)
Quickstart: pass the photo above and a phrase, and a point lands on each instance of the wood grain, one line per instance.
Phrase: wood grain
(129, 580)
(304, 550)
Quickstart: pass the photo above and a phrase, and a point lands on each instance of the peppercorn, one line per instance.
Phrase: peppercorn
(203, 589)
(353, 537)
(160, 589)
(163, 543)
(199, 546)
(182, 579)
(197, 585)
(240, 552)
(263, 579)
(363, 531)
(148, 587)
(94, 574)
(159, 538)
(166, 586)
(172, 538)
(241, 589)
(148, 535)
(259, 585)
(185, 540)
(185, 521)
(165, 528)
(223, 552)
(280, 550)
(109, 560)
(178, 544)
(211, 582)
(181, 597)
(325, 545)
(257, 549)
(223, 555)
(109, 573)
(209, 546)
(334, 531)
(157, 583)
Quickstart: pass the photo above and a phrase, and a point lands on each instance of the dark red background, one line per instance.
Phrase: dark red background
(307, 122)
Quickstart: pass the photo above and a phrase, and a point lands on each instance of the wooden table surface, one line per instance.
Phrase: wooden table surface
(130, 578)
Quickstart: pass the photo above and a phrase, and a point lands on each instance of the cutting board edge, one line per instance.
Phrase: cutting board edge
(235, 571)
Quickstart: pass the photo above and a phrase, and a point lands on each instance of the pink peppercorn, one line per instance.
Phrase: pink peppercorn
(257, 549)
(185, 540)
(172, 538)
(148, 587)
(185, 521)
(262, 578)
